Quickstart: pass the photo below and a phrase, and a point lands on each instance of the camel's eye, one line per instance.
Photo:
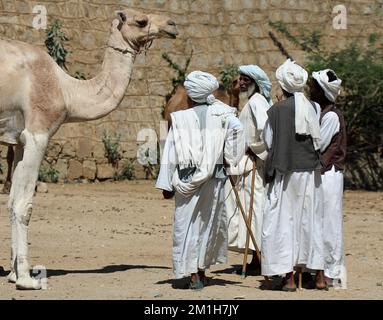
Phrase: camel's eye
(142, 22)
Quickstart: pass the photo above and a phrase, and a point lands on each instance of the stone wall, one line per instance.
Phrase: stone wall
(219, 31)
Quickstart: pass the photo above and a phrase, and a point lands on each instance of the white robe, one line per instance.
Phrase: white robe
(292, 224)
(200, 227)
(253, 117)
(292, 231)
(332, 183)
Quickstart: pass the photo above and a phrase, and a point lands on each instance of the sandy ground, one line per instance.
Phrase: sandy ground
(114, 240)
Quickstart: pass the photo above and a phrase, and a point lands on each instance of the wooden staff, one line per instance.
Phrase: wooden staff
(244, 217)
(300, 278)
(244, 266)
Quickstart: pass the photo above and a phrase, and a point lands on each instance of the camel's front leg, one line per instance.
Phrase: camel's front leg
(12, 276)
(20, 204)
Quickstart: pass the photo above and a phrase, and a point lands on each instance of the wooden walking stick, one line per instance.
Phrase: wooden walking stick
(244, 217)
(244, 266)
(300, 278)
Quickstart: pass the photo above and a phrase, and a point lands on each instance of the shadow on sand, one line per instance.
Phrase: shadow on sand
(106, 269)
(237, 269)
(184, 282)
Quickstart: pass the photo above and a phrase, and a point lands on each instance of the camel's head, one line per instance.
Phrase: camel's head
(137, 29)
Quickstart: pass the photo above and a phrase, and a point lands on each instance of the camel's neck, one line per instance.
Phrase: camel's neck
(95, 98)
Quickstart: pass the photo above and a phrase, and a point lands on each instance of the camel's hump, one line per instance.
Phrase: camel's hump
(14, 52)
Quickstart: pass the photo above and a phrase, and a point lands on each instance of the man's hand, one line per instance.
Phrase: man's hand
(279, 97)
(168, 194)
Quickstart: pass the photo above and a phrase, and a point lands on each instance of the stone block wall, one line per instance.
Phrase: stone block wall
(219, 31)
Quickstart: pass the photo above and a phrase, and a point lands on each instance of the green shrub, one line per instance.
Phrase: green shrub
(79, 75)
(228, 73)
(55, 43)
(181, 72)
(126, 173)
(48, 174)
(111, 147)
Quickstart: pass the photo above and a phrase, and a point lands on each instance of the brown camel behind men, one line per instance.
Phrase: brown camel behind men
(179, 100)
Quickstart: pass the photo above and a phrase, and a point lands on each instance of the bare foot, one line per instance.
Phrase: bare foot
(290, 285)
(320, 282)
(195, 282)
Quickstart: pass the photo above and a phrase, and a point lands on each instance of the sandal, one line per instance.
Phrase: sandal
(325, 288)
(288, 289)
(196, 285)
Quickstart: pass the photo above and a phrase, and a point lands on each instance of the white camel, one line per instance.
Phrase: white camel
(37, 96)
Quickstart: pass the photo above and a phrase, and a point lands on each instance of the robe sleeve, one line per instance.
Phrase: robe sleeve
(268, 135)
(235, 142)
(168, 164)
(259, 107)
(329, 127)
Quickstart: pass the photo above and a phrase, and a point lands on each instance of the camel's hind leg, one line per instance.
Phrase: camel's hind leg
(20, 204)
(18, 156)
(8, 181)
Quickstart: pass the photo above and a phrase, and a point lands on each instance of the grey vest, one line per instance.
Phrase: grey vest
(289, 152)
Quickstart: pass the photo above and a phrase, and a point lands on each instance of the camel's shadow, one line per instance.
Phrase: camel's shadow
(106, 269)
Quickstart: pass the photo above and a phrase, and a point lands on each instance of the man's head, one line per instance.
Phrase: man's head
(324, 87)
(291, 77)
(200, 86)
(245, 82)
(253, 79)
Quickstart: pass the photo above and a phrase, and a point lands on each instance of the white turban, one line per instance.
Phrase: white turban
(331, 89)
(200, 87)
(260, 78)
(292, 78)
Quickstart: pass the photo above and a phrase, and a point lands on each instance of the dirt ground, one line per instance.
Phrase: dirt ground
(114, 241)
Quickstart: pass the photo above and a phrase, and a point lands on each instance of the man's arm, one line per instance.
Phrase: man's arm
(329, 127)
(168, 167)
(235, 142)
(259, 107)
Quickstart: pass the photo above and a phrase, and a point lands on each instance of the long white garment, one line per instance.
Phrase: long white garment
(253, 116)
(332, 183)
(200, 227)
(199, 230)
(292, 232)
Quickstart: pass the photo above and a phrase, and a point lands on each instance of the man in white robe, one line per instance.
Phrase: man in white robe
(255, 83)
(292, 222)
(199, 141)
(324, 89)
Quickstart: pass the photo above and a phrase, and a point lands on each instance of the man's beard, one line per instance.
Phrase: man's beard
(245, 95)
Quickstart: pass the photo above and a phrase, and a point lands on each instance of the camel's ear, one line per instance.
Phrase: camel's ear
(122, 18)
(115, 24)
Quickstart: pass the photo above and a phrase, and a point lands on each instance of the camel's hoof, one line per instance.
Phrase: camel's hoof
(28, 283)
(12, 277)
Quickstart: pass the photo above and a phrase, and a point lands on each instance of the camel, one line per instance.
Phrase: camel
(179, 100)
(37, 93)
